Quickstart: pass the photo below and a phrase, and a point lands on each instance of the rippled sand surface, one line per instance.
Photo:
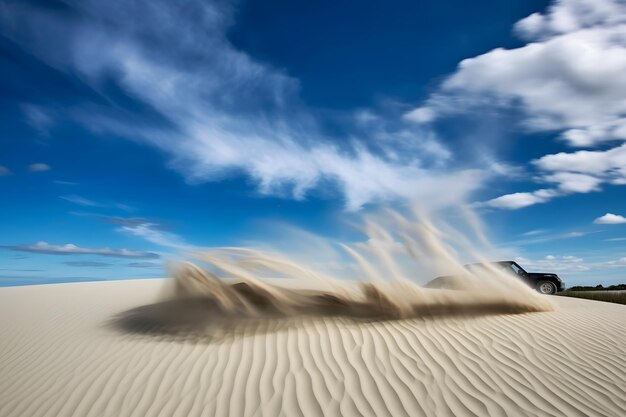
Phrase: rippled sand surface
(106, 349)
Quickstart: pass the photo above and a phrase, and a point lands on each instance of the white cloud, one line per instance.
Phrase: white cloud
(71, 249)
(533, 239)
(571, 15)
(573, 234)
(568, 264)
(155, 234)
(85, 264)
(81, 201)
(519, 200)
(568, 78)
(534, 232)
(570, 182)
(224, 113)
(608, 166)
(38, 118)
(582, 171)
(4, 171)
(621, 262)
(421, 115)
(144, 265)
(555, 79)
(551, 263)
(38, 167)
(610, 218)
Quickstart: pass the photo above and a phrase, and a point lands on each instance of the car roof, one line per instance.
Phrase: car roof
(490, 263)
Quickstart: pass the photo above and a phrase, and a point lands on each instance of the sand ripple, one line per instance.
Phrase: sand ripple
(60, 356)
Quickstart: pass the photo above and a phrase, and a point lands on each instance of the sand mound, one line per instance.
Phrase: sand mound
(63, 353)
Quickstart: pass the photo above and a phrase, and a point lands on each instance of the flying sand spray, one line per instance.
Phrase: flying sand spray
(399, 251)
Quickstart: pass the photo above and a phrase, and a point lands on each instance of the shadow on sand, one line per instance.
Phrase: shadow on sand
(201, 320)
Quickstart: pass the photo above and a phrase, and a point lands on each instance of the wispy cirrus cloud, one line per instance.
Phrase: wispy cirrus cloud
(156, 234)
(81, 201)
(71, 249)
(569, 264)
(531, 239)
(38, 167)
(534, 232)
(618, 263)
(87, 264)
(135, 222)
(564, 263)
(38, 118)
(4, 171)
(144, 265)
(217, 112)
(149, 229)
(87, 202)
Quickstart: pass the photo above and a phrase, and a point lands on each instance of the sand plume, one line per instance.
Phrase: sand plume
(387, 267)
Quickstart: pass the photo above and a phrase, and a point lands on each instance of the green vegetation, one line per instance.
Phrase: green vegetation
(599, 287)
(609, 296)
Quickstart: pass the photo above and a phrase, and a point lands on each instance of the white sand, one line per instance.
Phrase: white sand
(60, 356)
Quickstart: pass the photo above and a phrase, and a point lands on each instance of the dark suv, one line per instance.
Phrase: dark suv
(543, 282)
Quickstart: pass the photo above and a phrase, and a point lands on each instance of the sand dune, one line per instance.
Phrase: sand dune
(63, 353)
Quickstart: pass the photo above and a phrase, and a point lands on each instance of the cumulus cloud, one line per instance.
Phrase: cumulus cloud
(606, 166)
(217, 112)
(555, 79)
(567, 16)
(568, 78)
(581, 171)
(71, 249)
(610, 218)
(518, 200)
(4, 171)
(569, 182)
(38, 167)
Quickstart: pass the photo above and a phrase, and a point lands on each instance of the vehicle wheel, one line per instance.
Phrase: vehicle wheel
(546, 287)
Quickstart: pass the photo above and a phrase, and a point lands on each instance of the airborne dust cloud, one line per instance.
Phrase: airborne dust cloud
(399, 248)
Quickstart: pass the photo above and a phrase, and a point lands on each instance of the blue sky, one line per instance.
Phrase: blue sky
(133, 131)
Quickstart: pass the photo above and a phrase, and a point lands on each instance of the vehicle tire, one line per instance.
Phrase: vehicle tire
(546, 287)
